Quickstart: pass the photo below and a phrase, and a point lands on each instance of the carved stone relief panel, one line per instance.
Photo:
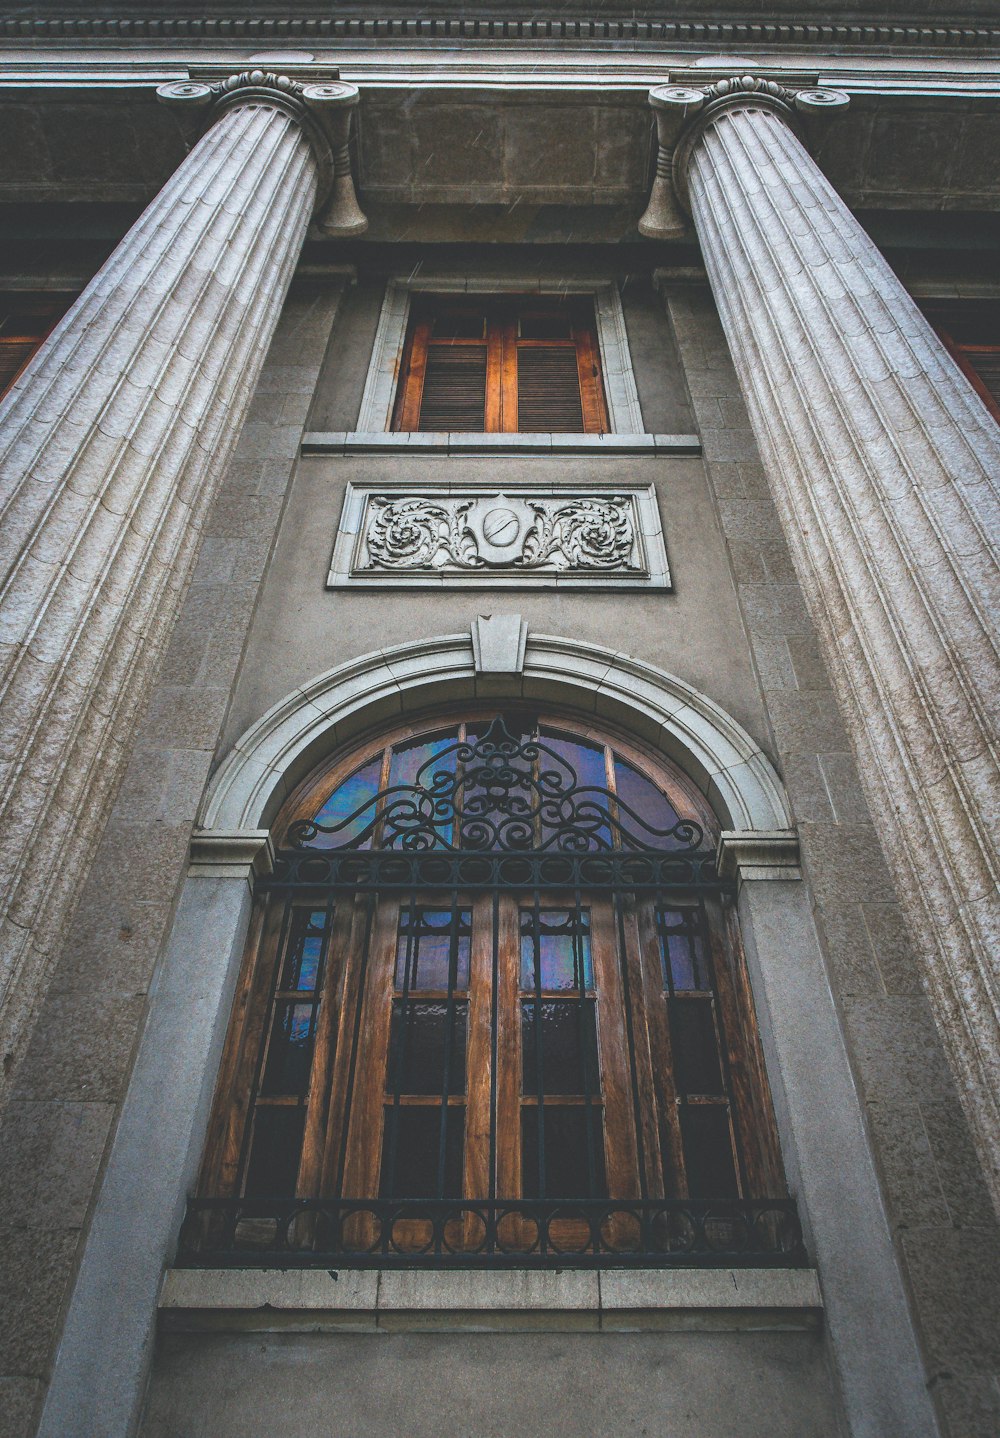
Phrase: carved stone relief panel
(484, 538)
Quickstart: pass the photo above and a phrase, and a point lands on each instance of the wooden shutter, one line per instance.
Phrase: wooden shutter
(501, 365)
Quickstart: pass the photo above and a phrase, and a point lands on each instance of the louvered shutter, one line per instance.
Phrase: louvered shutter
(548, 390)
(454, 396)
(503, 363)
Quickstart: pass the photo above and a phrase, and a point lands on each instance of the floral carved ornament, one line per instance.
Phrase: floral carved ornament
(500, 531)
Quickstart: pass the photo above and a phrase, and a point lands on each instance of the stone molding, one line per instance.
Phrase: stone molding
(699, 30)
(379, 397)
(323, 109)
(745, 856)
(499, 642)
(554, 537)
(371, 1300)
(272, 756)
(236, 854)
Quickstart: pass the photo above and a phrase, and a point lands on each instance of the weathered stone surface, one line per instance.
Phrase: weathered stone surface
(113, 442)
(884, 467)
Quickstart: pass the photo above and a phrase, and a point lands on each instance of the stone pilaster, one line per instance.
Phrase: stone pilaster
(112, 444)
(884, 465)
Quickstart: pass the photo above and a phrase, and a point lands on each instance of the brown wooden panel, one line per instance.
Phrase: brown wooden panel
(620, 1148)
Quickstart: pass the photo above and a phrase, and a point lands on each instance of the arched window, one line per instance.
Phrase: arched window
(493, 1009)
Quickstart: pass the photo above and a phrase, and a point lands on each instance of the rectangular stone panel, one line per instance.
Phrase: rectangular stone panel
(477, 536)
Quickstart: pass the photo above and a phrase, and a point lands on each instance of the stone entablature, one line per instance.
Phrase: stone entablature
(479, 536)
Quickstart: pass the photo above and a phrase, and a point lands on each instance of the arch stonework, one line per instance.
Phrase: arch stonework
(683, 724)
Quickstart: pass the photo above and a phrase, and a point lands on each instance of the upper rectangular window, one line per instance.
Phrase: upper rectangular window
(25, 321)
(970, 332)
(527, 364)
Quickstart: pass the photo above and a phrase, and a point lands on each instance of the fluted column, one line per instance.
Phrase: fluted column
(112, 444)
(885, 466)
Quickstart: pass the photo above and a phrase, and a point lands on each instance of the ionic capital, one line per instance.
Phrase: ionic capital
(322, 110)
(682, 116)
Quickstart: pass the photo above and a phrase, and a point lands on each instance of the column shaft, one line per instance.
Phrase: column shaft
(884, 466)
(111, 447)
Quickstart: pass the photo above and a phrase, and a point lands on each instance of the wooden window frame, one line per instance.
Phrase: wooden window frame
(502, 343)
(342, 1144)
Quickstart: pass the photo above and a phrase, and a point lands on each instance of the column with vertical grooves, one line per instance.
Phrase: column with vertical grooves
(885, 466)
(112, 444)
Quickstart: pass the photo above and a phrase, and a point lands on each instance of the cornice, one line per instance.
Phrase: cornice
(901, 33)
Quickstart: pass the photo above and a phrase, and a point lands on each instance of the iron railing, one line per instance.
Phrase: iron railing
(418, 1233)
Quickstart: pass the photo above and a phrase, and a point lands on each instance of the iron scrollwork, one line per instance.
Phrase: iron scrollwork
(498, 793)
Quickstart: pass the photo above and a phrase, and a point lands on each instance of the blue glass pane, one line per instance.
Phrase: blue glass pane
(419, 763)
(305, 950)
(652, 813)
(582, 767)
(353, 797)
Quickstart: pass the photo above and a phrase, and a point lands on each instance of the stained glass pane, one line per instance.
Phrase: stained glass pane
(581, 767)
(419, 762)
(645, 813)
(428, 940)
(556, 954)
(305, 950)
(418, 1046)
(353, 795)
(682, 950)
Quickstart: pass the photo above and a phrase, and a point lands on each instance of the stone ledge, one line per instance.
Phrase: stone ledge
(554, 1300)
(551, 445)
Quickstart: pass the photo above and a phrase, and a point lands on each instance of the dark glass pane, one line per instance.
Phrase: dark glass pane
(547, 325)
(289, 1054)
(427, 940)
(708, 1151)
(305, 950)
(651, 812)
(573, 1169)
(682, 950)
(580, 766)
(417, 1047)
(274, 1153)
(467, 325)
(569, 1047)
(560, 947)
(696, 1052)
(418, 1137)
(354, 794)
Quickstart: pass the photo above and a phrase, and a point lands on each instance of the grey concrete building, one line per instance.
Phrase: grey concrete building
(498, 720)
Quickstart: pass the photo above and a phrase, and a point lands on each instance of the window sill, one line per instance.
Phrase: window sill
(567, 1300)
(360, 442)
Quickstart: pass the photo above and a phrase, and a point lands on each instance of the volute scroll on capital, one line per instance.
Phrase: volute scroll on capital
(682, 116)
(322, 109)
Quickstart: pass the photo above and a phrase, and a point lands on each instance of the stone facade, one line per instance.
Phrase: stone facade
(155, 747)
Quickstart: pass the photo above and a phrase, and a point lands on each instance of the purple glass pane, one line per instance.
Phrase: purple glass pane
(586, 763)
(555, 953)
(651, 814)
(427, 943)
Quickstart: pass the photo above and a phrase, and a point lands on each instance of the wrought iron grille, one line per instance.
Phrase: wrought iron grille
(505, 818)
